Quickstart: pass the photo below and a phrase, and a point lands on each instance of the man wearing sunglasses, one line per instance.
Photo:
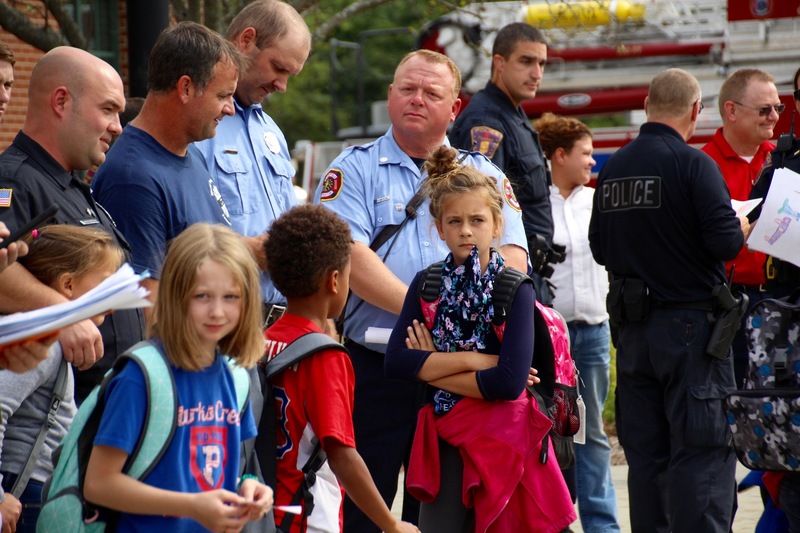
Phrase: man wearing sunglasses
(749, 107)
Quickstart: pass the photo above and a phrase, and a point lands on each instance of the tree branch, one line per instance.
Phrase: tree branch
(326, 28)
(68, 26)
(43, 38)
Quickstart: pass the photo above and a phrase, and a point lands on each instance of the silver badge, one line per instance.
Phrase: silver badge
(272, 142)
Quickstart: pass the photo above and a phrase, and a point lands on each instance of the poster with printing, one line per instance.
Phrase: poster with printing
(777, 231)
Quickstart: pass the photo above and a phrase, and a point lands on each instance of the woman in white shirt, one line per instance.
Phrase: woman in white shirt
(581, 288)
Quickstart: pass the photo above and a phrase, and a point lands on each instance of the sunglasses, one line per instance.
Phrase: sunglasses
(765, 110)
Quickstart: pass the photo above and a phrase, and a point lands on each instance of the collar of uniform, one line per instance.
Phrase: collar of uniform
(658, 128)
(246, 111)
(43, 159)
(495, 91)
(389, 153)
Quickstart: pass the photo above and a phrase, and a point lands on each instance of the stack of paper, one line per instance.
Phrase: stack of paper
(119, 291)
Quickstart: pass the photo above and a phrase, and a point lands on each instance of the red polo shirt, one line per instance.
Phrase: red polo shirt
(739, 176)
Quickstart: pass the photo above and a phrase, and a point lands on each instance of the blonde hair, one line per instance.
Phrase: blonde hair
(62, 248)
(447, 177)
(172, 325)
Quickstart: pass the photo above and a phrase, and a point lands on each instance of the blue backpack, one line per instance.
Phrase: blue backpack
(64, 508)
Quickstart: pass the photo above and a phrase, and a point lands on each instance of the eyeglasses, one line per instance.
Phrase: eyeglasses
(765, 110)
(702, 106)
(796, 94)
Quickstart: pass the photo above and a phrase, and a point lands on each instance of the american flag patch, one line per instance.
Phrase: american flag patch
(5, 197)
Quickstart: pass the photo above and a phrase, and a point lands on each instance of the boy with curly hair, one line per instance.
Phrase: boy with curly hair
(308, 254)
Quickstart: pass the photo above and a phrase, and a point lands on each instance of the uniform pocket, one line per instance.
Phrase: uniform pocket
(706, 424)
(233, 182)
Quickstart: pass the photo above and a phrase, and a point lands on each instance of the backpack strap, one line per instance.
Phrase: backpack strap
(505, 288)
(430, 284)
(299, 349)
(241, 382)
(59, 391)
(159, 430)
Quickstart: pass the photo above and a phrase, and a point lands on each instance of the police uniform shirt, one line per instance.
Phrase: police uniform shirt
(250, 163)
(368, 187)
(491, 124)
(33, 181)
(662, 213)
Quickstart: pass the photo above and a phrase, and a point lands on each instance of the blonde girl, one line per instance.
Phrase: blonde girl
(208, 306)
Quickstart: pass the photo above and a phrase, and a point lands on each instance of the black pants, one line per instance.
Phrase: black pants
(384, 417)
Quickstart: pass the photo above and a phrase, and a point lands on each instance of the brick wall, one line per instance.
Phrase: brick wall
(27, 56)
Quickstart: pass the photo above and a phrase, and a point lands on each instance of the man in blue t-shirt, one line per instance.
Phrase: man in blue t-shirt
(150, 183)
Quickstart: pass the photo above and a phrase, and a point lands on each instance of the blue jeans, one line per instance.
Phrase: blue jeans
(597, 500)
(31, 500)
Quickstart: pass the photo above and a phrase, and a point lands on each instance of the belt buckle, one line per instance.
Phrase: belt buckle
(274, 313)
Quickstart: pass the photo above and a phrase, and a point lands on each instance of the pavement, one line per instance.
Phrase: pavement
(747, 516)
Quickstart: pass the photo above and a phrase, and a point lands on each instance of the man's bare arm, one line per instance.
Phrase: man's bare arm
(372, 281)
(515, 257)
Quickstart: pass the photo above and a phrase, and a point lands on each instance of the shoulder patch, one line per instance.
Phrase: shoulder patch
(5, 197)
(485, 140)
(511, 198)
(331, 185)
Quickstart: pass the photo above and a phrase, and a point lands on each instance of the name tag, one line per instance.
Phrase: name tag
(640, 192)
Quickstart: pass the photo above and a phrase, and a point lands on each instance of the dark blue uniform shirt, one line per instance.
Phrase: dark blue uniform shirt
(37, 182)
(518, 155)
(662, 213)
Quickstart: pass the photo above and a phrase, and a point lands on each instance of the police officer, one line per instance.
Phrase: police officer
(248, 157)
(494, 124)
(662, 224)
(371, 187)
(73, 114)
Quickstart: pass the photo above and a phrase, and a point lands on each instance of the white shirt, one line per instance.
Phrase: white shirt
(581, 284)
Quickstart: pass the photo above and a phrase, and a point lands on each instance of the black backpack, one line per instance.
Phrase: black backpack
(266, 442)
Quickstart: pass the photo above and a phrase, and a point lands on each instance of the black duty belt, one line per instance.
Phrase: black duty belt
(700, 305)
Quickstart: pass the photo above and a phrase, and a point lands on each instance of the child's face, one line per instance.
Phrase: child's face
(89, 280)
(467, 221)
(343, 286)
(215, 304)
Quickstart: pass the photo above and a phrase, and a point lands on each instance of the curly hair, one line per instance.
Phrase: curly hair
(305, 244)
(61, 248)
(559, 132)
(446, 177)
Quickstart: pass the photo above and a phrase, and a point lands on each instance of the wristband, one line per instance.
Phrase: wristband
(244, 478)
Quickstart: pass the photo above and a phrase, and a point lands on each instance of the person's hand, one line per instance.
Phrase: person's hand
(11, 509)
(745, 223)
(403, 527)
(13, 251)
(220, 511)
(26, 355)
(81, 344)
(259, 498)
(533, 379)
(419, 338)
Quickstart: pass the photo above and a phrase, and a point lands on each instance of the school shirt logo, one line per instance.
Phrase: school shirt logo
(208, 455)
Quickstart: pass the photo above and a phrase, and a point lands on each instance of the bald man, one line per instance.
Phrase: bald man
(74, 100)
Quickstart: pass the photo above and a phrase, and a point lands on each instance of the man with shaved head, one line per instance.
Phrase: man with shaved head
(74, 100)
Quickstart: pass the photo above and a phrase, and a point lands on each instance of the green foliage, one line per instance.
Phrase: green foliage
(304, 112)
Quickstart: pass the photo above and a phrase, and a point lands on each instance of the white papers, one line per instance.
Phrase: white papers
(375, 335)
(777, 231)
(121, 290)
(743, 208)
(291, 509)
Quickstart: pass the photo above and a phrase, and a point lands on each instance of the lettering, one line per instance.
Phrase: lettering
(217, 412)
(639, 192)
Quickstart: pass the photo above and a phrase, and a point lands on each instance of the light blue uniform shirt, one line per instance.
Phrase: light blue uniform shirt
(368, 186)
(249, 161)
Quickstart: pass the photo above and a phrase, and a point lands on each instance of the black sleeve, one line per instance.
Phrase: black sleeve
(401, 362)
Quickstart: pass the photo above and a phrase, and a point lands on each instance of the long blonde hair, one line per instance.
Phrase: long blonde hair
(172, 325)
